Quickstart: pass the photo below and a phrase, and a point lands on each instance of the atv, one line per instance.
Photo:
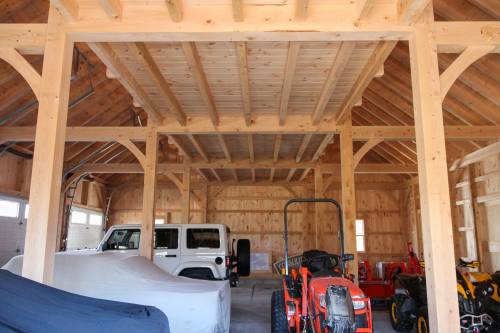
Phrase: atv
(409, 304)
(318, 295)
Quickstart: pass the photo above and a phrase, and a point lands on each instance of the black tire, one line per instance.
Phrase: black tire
(423, 320)
(279, 324)
(399, 321)
(243, 253)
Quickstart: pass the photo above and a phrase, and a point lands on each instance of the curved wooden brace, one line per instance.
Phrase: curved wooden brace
(134, 150)
(470, 55)
(75, 177)
(180, 187)
(364, 149)
(23, 67)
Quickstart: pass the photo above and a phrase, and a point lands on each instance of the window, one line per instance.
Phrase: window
(124, 240)
(9, 208)
(26, 211)
(166, 238)
(78, 217)
(360, 235)
(203, 238)
(95, 219)
(159, 221)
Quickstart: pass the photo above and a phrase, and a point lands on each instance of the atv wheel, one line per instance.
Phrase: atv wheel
(279, 324)
(400, 322)
(243, 253)
(423, 320)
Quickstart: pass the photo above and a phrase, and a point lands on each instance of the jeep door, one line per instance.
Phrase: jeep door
(166, 252)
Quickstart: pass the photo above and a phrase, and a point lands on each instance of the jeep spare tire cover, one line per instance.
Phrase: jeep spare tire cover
(243, 253)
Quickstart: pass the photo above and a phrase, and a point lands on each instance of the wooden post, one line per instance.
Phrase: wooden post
(413, 220)
(204, 203)
(433, 184)
(318, 207)
(348, 194)
(45, 192)
(146, 245)
(186, 191)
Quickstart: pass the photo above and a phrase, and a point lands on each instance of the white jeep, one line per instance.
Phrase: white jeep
(199, 251)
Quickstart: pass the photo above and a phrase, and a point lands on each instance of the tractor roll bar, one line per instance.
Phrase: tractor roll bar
(309, 200)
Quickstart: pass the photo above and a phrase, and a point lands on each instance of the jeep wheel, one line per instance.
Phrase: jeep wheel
(423, 320)
(279, 323)
(399, 321)
(243, 253)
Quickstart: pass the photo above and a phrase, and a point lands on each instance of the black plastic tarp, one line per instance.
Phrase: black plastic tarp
(28, 306)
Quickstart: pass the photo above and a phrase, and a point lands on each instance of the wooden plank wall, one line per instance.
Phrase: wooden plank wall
(490, 193)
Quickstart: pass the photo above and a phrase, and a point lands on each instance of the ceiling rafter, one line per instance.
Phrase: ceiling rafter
(277, 145)
(289, 73)
(180, 146)
(340, 62)
(199, 148)
(241, 55)
(225, 148)
(321, 148)
(251, 148)
(303, 147)
(194, 61)
(143, 55)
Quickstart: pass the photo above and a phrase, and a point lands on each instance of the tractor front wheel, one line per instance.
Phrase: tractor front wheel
(400, 322)
(279, 323)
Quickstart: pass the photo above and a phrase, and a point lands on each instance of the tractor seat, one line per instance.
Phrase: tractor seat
(319, 263)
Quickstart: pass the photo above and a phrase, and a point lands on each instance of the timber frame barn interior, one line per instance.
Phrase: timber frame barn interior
(390, 106)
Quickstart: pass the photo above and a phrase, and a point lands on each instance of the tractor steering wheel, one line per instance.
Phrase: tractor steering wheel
(323, 261)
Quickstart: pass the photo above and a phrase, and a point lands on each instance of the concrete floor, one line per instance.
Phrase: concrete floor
(251, 308)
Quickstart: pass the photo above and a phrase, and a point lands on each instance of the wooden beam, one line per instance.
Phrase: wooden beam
(364, 150)
(492, 7)
(235, 174)
(301, 8)
(238, 10)
(363, 168)
(289, 73)
(470, 55)
(433, 183)
(303, 146)
(304, 174)
(364, 7)
(26, 38)
(180, 146)
(45, 189)
(225, 148)
(253, 175)
(476, 156)
(113, 8)
(455, 37)
(23, 67)
(251, 149)
(271, 174)
(411, 10)
(276, 148)
(291, 173)
(144, 57)
(186, 195)
(348, 195)
(194, 61)
(318, 207)
(175, 10)
(146, 243)
(241, 55)
(68, 8)
(111, 60)
(377, 59)
(321, 148)
(339, 64)
(360, 133)
(199, 147)
(216, 174)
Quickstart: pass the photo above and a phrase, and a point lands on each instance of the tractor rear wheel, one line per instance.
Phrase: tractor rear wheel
(423, 320)
(279, 323)
(399, 321)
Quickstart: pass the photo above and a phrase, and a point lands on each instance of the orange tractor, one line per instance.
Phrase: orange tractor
(318, 294)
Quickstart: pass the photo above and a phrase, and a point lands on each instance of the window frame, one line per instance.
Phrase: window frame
(87, 213)
(361, 234)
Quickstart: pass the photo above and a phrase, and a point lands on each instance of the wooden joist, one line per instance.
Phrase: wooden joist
(276, 148)
(225, 148)
(113, 8)
(303, 146)
(198, 146)
(175, 9)
(144, 57)
(339, 64)
(68, 8)
(289, 73)
(194, 61)
(322, 146)
(251, 149)
(241, 55)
